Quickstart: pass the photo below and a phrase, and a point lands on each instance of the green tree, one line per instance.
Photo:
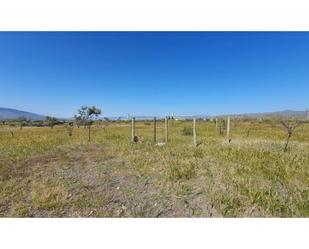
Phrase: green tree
(23, 121)
(69, 127)
(78, 121)
(87, 116)
(51, 121)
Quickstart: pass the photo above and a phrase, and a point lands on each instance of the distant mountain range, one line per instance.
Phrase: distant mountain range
(7, 113)
(285, 113)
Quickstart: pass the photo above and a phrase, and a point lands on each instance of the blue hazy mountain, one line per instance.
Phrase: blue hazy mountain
(8, 113)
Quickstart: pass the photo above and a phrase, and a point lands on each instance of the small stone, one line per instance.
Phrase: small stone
(160, 144)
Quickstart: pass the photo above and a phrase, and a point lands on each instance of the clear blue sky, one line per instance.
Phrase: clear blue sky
(154, 73)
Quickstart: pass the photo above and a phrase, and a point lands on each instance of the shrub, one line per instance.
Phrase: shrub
(198, 153)
(185, 172)
(187, 131)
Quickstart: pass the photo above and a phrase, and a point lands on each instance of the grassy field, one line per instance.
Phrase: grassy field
(46, 173)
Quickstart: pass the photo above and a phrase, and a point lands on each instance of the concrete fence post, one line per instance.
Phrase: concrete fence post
(216, 124)
(228, 129)
(194, 132)
(154, 130)
(166, 129)
(133, 130)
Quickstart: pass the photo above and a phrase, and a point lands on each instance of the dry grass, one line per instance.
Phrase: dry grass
(46, 173)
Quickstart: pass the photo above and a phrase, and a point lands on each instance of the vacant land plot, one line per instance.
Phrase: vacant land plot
(46, 173)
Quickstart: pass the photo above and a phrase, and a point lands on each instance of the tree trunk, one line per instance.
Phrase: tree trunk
(287, 142)
(89, 133)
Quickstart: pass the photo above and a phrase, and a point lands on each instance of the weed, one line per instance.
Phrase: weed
(187, 131)
(182, 172)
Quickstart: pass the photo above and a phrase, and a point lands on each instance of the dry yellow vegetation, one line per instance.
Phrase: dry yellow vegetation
(46, 173)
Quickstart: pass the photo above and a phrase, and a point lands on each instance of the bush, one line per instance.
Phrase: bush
(185, 172)
(187, 131)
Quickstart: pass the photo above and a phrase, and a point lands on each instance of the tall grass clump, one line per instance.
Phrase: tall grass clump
(187, 131)
(182, 172)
